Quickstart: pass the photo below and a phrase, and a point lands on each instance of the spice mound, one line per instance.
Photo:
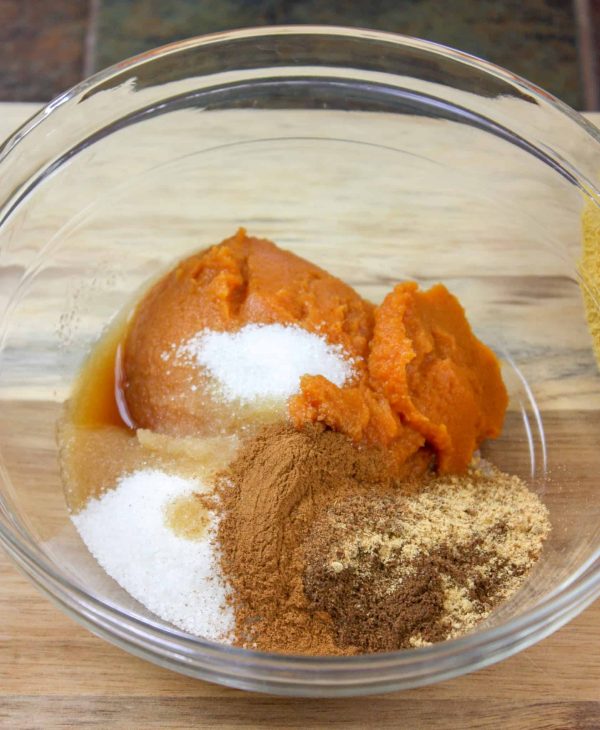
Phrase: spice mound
(269, 497)
(399, 571)
(328, 553)
(261, 456)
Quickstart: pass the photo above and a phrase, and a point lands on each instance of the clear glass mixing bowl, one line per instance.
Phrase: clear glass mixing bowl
(376, 156)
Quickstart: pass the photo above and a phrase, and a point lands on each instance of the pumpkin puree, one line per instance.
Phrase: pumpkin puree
(424, 381)
(428, 380)
(242, 280)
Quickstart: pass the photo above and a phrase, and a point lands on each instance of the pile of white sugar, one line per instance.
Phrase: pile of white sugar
(175, 578)
(265, 361)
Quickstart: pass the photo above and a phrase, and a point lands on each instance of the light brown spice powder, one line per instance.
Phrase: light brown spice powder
(408, 570)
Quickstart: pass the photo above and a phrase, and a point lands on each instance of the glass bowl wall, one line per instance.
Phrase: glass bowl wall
(378, 157)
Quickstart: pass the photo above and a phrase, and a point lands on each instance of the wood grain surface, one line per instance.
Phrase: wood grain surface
(55, 674)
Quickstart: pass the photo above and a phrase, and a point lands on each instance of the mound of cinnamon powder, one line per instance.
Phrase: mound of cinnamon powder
(270, 497)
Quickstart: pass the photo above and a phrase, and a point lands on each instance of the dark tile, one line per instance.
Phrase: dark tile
(588, 40)
(41, 47)
(127, 27)
(536, 39)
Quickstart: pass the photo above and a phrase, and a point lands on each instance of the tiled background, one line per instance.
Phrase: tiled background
(48, 45)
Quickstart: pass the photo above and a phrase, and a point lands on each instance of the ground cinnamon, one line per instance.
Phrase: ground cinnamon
(270, 496)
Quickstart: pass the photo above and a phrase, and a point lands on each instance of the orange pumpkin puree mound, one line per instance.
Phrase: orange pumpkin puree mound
(239, 281)
(428, 381)
(424, 383)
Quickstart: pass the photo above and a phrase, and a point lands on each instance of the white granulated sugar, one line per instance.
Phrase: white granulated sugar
(265, 361)
(177, 579)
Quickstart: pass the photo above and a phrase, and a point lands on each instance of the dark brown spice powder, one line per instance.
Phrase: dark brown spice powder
(366, 569)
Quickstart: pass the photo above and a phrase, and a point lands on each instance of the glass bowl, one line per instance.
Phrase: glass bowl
(378, 157)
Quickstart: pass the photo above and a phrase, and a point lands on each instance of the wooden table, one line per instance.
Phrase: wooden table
(54, 674)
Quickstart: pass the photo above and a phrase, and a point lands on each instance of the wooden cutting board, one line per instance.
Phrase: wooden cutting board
(54, 674)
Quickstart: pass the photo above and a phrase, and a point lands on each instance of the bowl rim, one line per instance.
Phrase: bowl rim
(367, 34)
(578, 590)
